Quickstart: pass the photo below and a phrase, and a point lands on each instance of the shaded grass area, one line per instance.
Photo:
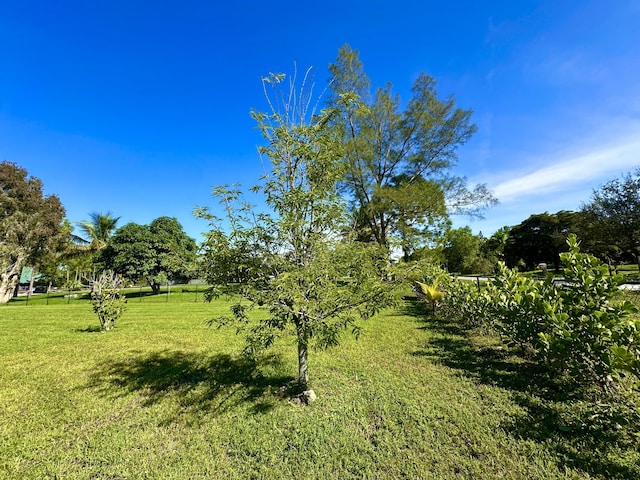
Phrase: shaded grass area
(171, 294)
(163, 396)
(588, 436)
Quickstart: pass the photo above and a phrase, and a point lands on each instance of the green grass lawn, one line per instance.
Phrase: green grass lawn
(164, 396)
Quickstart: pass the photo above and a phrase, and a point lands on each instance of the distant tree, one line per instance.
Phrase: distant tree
(612, 219)
(540, 238)
(312, 281)
(398, 161)
(98, 230)
(81, 252)
(158, 252)
(493, 247)
(462, 251)
(30, 225)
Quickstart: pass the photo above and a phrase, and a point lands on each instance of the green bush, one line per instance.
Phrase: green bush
(519, 307)
(593, 336)
(108, 302)
(460, 301)
(464, 304)
(577, 328)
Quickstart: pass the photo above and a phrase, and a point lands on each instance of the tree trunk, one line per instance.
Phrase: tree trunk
(9, 280)
(155, 288)
(303, 356)
(33, 276)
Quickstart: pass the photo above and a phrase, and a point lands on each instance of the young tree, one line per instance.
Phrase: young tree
(312, 281)
(157, 252)
(107, 301)
(398, 162)
(30, 225)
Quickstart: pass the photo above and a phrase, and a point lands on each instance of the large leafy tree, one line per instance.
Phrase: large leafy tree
(611, 219)
(30, 225)
(312, 280)
(462, 250)
(157, 252)
(540, 238)
(399, 160)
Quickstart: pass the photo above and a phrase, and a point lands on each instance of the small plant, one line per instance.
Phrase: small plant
(108, 302)
(520, 307)
(429, 293)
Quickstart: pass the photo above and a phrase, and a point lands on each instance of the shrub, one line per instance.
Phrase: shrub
(108, 302)
(464, 304)
(519, 308)
(576, 328)
(592, 335)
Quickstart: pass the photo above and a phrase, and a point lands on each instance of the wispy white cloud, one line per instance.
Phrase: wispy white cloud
(570, 67)
(566, 171)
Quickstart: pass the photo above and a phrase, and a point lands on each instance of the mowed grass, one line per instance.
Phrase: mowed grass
(164, 396)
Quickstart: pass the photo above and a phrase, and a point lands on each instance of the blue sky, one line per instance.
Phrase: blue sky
(138, 108)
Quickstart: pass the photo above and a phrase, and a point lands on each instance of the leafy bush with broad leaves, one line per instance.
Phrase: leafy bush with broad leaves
(464, 304)
(591, 335)
(578, 327)
(460, 301)
(106, 299)
(519, 308)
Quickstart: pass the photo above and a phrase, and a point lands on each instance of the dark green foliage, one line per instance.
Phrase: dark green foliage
(158, 252)
(462, 250)
(31, 229)
(539, 239)
(611, 223)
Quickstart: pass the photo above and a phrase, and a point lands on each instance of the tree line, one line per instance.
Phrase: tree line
(607, 224)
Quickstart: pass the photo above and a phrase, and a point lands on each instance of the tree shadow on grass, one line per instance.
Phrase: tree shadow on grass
(555, 416)
(200, 384)
(89, 329)
(137, 295)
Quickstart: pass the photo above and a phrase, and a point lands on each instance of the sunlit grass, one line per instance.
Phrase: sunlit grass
(164, 396)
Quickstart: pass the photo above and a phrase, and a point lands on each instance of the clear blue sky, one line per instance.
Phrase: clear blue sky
(139, 107)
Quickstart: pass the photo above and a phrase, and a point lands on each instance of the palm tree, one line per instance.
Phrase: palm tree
(98, 230)
(84, 248)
